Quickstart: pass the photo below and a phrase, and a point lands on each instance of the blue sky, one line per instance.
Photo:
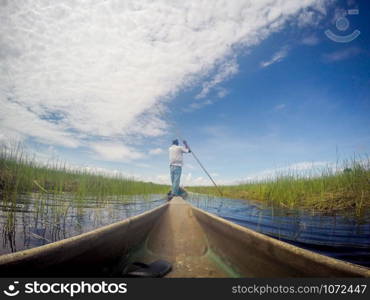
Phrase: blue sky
(249, 100)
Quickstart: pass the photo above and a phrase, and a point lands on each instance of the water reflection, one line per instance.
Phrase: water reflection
(39, 219)
(342, 237)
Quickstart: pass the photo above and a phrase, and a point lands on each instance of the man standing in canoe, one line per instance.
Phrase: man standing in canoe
(176, 152)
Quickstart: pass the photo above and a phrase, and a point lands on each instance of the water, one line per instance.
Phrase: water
(341, 237)
(39, 219)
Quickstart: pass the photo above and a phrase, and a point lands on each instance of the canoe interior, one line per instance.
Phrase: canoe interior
(198, 244)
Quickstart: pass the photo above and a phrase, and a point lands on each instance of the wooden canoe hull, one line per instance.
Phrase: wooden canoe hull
(197, 243)
(95, 253)
(256, 255)
(200, 244)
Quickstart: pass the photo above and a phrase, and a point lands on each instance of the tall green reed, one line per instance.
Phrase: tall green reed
(50, 191)
(344, 187)
(22, 173)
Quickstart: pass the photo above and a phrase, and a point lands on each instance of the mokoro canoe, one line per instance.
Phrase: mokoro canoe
(196, 243)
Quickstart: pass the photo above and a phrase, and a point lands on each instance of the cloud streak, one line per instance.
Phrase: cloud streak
(342, 54)
(311, 40)
(226, 70)
(277, 57)
(280, 106)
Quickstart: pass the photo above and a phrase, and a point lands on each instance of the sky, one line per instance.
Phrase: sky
(255, 87)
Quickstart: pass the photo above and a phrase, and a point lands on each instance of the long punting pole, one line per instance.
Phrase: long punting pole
(205, 171)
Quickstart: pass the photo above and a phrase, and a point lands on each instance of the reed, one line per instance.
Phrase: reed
(22, 173)
(52, 198)
(344, 188)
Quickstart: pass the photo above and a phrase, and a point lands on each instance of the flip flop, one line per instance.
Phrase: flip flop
(156, 269)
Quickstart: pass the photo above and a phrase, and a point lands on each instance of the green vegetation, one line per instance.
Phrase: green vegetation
(20, 173)
(54, 198)
(344, 189)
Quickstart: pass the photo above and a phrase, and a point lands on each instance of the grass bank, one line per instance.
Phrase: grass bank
(336, 189)
(21, 173)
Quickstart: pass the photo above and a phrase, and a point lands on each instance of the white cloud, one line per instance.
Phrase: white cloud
(189, 180)
(72, 71)
(311, 40)
(222, 92)
(301, 168)
(225, 71)
(115, 151)
(200, 180)
(49, 157)
(198, 105)
(277, 57)
(156, 151)
(305, 165)
(162, 179)
(142, 165)
(189, 166)
(342, 54)
(280, 106)
(311, 17)
(18, 122)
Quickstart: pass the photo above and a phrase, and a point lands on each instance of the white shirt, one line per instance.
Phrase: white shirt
(176, 155)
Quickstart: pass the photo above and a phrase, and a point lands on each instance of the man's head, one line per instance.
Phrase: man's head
(175, 142)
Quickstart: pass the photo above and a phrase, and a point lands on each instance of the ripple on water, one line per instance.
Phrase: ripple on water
(39, 219)
(342, 237)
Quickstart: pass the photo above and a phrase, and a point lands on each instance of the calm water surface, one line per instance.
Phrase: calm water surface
(39, 219)
(343, 237)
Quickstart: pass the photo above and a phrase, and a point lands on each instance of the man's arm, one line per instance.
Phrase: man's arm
(186, 146)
